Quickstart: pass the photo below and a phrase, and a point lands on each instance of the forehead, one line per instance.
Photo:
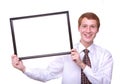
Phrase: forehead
(88, 21)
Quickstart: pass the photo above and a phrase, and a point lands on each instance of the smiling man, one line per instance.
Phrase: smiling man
(101, 61)
(87, 64)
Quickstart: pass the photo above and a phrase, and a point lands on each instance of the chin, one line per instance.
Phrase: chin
(89, 41)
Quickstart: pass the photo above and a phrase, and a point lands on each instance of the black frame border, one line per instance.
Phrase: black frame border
(40, 15)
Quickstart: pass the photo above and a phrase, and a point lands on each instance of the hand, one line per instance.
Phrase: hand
(18, 64)
(76, 58)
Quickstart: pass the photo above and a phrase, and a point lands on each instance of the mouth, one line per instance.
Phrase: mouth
(88, 36)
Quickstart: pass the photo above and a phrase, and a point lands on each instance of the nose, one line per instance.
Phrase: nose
(88, 29)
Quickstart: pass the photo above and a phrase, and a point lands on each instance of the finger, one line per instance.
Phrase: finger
(73, 50)
(14, 56)
(15, 60)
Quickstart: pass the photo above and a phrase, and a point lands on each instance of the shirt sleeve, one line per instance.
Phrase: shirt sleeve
(104, 73)
(53, 71)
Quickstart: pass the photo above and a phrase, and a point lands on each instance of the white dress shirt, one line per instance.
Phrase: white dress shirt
(99, 73)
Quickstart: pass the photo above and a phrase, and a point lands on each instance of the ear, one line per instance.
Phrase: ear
(79, 28)
(97, 30)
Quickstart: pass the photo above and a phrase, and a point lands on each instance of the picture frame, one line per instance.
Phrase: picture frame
(41, 35)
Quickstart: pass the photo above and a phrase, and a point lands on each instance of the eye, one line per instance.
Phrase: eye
(93, 26)
(84, 26)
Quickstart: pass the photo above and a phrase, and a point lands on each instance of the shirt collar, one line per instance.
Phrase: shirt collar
(81, 47)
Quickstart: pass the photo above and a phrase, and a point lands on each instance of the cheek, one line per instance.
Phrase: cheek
(80, 30)
(95, 31)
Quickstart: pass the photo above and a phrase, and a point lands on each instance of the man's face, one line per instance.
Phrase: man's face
(88, 30)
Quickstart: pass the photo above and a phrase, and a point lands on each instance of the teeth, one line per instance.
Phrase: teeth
(88, 35)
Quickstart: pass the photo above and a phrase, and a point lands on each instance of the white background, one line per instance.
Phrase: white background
(108, 37)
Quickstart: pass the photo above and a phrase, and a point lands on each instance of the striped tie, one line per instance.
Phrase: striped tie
(86, 60)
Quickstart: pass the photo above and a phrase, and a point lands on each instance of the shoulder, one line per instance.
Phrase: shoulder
(102, 53)
(101, 50)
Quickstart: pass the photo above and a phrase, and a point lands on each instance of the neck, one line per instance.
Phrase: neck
(86, 44)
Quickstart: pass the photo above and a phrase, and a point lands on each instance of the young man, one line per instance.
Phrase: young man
(72, 67)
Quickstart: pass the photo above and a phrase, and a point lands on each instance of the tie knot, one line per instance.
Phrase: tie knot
(86, 51)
